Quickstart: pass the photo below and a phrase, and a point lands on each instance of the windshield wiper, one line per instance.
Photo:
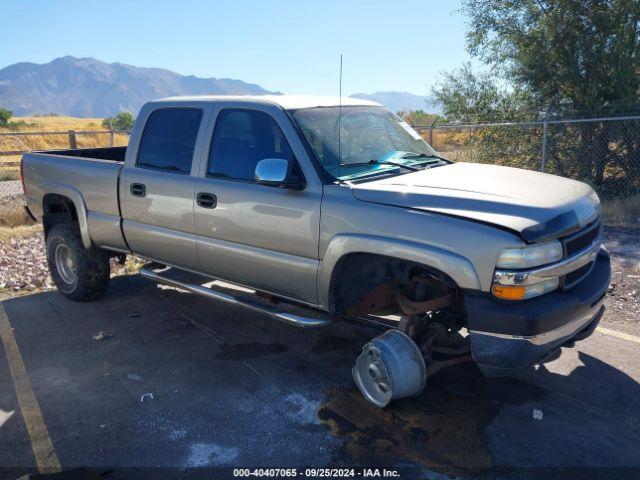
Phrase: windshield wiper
(424, 155)
(379, 162)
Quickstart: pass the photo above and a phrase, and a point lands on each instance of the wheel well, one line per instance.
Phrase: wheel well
(57, 209)
(358, 275)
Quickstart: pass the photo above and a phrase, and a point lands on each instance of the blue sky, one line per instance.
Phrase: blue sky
(285, 45)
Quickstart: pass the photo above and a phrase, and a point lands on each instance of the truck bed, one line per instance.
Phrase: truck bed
(114, 154)
(88, 177)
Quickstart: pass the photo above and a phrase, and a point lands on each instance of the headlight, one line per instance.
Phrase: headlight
(514, 278)
(593, 196)
(522, 292)
(530, 256)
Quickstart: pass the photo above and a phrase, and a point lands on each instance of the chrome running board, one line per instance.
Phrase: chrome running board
(257, 306)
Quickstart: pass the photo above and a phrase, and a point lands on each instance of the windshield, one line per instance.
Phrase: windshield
(369, 137)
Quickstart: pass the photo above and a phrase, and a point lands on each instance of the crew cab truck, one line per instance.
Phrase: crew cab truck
(330, 209)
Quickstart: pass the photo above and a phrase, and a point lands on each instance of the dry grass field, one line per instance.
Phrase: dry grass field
(14, 221)
(9, 164)
(56, 122)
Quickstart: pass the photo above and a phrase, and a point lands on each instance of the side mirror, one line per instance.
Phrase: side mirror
(275, 172)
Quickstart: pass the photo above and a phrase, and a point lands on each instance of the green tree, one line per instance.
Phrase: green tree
(5, 116)
(476, 98)
(574, 56)
(419, 117)
(563, 58)
(467, 97)
(122, 121)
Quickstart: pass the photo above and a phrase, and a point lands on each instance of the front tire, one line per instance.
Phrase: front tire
(80, 274)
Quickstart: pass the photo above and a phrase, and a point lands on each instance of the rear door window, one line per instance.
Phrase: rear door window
(169, 139)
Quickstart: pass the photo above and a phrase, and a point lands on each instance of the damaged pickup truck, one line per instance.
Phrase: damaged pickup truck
(330, 209)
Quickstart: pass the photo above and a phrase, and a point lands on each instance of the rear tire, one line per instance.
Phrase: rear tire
(80, 274)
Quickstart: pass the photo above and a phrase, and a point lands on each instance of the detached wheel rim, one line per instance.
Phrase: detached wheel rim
(65, 265)
(390, 367)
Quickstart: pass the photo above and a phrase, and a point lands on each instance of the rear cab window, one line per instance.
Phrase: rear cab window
(169, 139)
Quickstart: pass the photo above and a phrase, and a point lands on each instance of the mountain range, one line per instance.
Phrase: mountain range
(86, 87)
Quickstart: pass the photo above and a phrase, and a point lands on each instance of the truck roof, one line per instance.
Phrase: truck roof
(288, 102)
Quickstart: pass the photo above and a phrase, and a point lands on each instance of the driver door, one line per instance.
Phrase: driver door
(260, 236)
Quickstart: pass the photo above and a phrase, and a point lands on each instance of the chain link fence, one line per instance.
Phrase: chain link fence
(603, 152)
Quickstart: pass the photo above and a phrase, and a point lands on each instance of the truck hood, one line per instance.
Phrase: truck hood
(536, 205)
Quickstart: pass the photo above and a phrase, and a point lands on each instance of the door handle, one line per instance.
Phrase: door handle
(138, 190)
(206, 200)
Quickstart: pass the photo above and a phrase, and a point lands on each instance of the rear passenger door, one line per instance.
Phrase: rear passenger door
(260, 236)
(157, 187)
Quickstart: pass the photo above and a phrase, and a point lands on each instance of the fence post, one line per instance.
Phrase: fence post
(72, 139)
(431, 132)
(543, 162)
(111, 135)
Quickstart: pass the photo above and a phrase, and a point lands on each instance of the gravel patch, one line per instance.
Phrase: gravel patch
(10, 188)
(623, 299)
(23, 265)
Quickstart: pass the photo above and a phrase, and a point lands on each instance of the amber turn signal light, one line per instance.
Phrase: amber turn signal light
(515, 292)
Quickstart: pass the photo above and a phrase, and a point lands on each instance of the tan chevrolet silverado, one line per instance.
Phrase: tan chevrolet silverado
(333, 209)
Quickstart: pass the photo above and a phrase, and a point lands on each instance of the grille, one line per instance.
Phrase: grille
(574, 244)
(581, 240)
(574, 277)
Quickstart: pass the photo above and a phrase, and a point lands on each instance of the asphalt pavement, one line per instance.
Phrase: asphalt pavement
(152, 382)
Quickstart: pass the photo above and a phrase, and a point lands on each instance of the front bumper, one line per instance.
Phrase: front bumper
(506, 336)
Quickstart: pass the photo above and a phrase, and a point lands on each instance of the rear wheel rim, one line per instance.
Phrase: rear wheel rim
(65, 265)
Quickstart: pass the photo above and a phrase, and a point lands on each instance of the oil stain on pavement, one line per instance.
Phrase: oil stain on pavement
(441, 429)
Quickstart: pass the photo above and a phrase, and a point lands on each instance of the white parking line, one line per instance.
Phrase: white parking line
(617, 334)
